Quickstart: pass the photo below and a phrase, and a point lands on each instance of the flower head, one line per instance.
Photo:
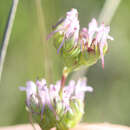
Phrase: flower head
(70, 25)
(83, 47)
(68, 28)
(94, 38)
(48, 99)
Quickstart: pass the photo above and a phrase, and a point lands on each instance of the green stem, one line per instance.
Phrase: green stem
(7, 34)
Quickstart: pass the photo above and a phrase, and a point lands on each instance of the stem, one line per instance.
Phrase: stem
(31, 121)
(7, 34)
(108, 11)
(63, 80)
(64, 77)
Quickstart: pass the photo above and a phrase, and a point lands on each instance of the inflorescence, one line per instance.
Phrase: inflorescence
(92, 39)
(58, 105)
(42, 95)
(55, 107)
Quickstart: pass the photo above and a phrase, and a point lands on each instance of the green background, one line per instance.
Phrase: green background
(30, 56)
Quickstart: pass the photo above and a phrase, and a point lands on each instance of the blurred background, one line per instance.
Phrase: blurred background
(30, 56)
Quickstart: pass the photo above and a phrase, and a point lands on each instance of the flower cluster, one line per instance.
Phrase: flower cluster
(72, 42)
(58, 105)
(41, 94)
(60, 102)
(94, 37)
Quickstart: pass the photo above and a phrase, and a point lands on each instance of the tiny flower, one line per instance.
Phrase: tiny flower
(92, 29)
(101, 39)
(81, 88)
(30, 89)
(66, 96)
(43, 94)
(71, 25)
(54, 91)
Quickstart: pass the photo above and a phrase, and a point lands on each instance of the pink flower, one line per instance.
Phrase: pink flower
(96, 36)
(101, 39)
(67, 94)
(84, 38)
(74, 91)
(69, 27)
(80, 89)
(92, 29)
(44, 96)
(54, 91)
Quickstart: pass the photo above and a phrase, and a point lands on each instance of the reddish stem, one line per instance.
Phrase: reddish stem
(63, 81)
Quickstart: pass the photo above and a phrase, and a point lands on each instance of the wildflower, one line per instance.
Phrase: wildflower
(101, 39)
(92, 29)
(79, 48)
(81, 88)
(73, 102)
(66, 97)
(94, 39)
(46, 106)
(30, 89)
(43, 94)
(67, 29)
(54, 91)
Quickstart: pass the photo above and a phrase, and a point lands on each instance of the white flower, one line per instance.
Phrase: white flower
(92, 29)
(43, 93)
(80, 89)
(101, 39)
(31, 91)
(54, 91)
